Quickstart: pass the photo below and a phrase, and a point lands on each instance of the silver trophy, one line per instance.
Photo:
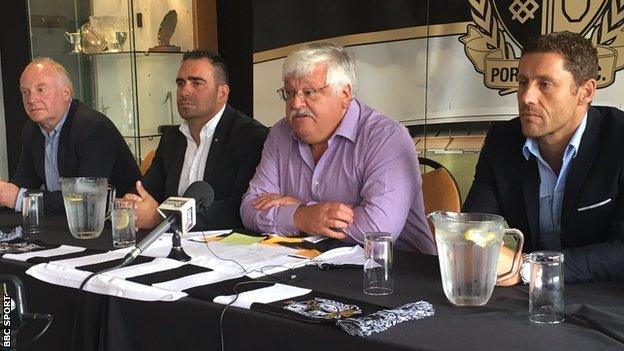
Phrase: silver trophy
(121, 37)
(75, 40)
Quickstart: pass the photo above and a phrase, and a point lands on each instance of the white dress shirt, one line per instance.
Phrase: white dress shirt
(196, 156)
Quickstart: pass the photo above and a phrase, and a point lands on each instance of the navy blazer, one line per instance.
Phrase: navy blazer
(89, 146)
(232, 160)
(592, 213)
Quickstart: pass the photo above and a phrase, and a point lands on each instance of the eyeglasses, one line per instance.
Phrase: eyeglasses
(308, 93)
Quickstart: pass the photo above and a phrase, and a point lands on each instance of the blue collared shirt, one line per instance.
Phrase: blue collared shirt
(552, 187)
(51, 145)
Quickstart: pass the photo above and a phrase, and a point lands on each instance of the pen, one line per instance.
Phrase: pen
(334, 229)
(297, 256)
(328, 266)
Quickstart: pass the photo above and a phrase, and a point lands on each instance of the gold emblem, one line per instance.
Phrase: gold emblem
(523, 10)
(494, 41)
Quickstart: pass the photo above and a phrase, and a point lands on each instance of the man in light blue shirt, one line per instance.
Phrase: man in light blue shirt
(51, 162)
(552, 186)
(63, 138)
(557, 171)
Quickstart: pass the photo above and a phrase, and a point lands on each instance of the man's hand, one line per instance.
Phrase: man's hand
(505, 260)
(266, 201)
(145, 206)
(324, 218)
(8, 194)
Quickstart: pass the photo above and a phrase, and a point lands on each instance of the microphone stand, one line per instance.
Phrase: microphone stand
(177, 252)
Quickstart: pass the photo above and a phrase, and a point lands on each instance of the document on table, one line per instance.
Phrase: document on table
(341, 255)
(253, 257)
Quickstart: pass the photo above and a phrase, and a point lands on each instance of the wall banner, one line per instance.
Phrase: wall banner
(494, 41)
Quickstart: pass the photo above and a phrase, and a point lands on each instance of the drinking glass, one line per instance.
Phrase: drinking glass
(122, 223)
(546, 300)
(378, 264)
(32, 213)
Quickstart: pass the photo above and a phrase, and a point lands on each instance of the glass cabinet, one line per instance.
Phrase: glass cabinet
(123, 55)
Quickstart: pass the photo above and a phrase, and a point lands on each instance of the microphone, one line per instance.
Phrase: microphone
(176, 210)
(181, 208)
(202, 193)
(9, 305)
(19, 300)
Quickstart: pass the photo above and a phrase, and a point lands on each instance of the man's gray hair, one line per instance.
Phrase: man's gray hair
(340, 65)
(63, 74)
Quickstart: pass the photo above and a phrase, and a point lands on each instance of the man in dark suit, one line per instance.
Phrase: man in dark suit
(557, 171)
(215, 143)
(63, 138)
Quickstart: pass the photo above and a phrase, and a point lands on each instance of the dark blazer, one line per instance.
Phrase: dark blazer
(592, 213)
(89, 146)
(232, 160)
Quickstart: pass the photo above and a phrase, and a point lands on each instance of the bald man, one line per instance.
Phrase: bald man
(63, 138)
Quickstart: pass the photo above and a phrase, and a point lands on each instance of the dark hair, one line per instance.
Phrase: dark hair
(580, 56)
(214, 58)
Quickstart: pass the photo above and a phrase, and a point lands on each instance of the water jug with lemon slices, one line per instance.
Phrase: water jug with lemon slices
(86, 201)
(469, 245)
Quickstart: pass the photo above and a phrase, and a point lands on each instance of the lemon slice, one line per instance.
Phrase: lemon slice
(74, 197)
(122, 219)
(490, 238)
(476, 236)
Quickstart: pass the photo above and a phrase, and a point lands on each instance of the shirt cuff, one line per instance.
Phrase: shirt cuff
(20, 199)
(285, 219)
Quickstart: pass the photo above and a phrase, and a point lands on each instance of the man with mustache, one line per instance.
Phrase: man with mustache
(63, 138)
(334, 166)
(557, 171)
(215, 143)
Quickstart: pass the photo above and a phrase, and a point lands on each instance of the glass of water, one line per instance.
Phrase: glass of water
(32, 213)
(122, 222)
(546, 300)
(378, 264)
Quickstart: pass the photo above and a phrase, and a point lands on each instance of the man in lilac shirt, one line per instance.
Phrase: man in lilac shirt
(334, 166)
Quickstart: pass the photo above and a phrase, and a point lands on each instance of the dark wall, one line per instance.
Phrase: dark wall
(321, 19)
(234, 22)
(15, 51)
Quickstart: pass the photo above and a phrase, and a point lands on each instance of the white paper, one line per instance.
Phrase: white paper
(61, 250)
(341, 255)
(280, 265)
(269, 294)
(250, 257)
(314, 238)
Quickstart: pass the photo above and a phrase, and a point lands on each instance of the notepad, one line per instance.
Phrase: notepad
(242, 239)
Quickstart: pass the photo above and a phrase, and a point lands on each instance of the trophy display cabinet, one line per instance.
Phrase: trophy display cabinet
(123, 55)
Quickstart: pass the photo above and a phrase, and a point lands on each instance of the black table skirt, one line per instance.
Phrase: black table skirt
(110, 323)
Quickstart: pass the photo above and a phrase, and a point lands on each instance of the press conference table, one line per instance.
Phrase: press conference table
(595, 319)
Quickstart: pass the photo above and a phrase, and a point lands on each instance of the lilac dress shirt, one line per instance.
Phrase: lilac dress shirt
(370, 163)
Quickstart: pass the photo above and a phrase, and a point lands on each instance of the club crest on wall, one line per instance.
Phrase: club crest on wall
(494, 41)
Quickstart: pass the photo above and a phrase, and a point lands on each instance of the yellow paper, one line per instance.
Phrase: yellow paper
(242, 239)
